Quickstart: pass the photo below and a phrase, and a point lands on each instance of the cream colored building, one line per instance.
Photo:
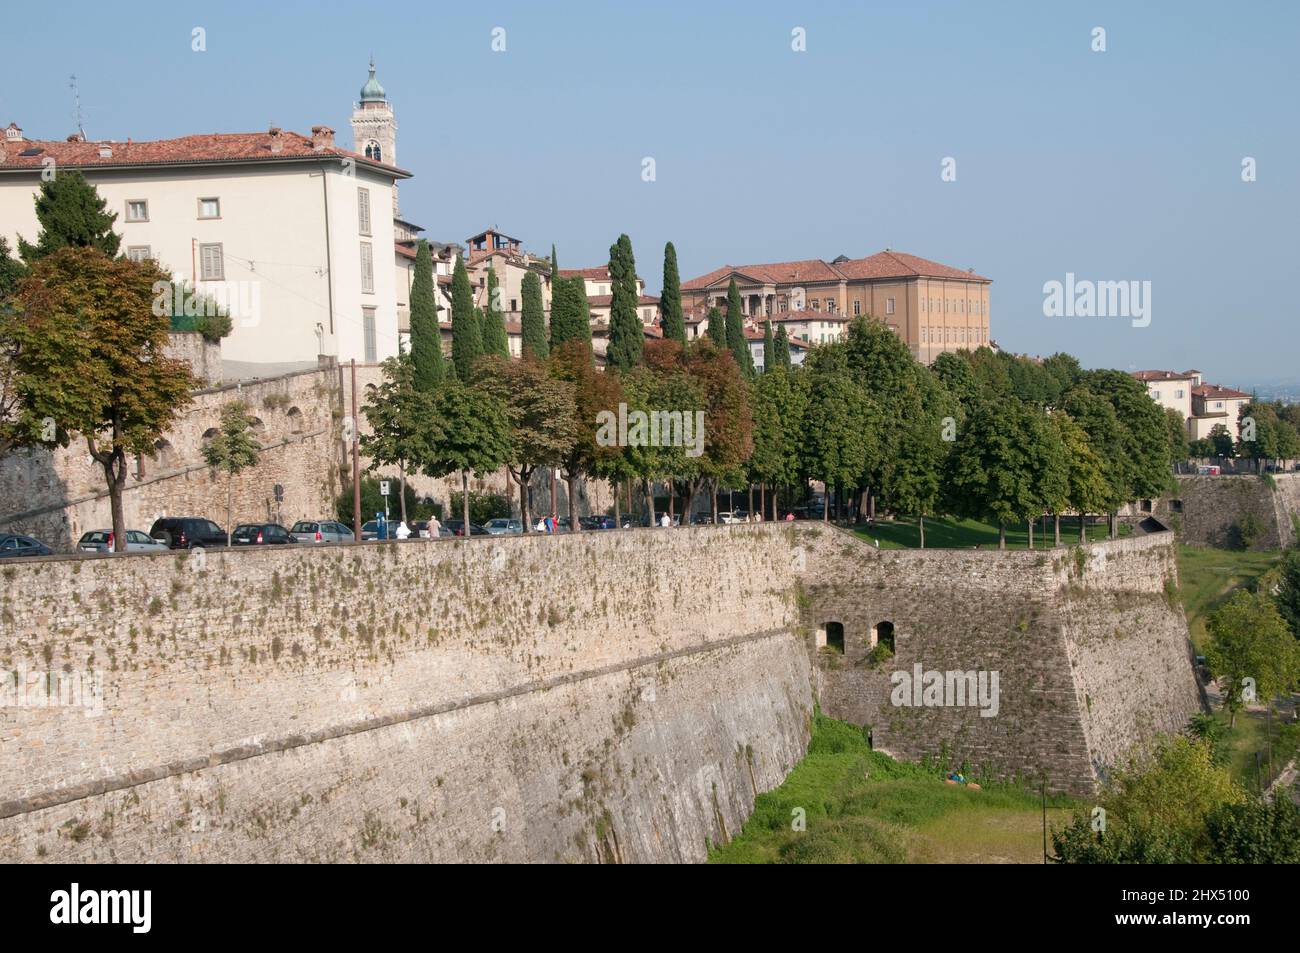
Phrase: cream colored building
(934, 308)
(290, 231)
(1171, 389)
(1211, 405)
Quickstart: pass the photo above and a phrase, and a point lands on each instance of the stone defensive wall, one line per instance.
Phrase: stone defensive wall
(1246, 511)
(1089, 642)
(616, 696)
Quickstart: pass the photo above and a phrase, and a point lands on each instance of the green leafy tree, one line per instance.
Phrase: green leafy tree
(782, 346)
(1177, 426)
(1087, 490)
(474, 436)
(954, 372)
(426, 334)
(403, 428)
(495, 341)
(779, 402)
(1252, 650)
(71, 213)
(838, 436)
(91, 353)
(626, 335)
(541, 413)
(1221, 442)
(533, 319)
(917, 480)
(671, 319)
(1255, 832)
(466, 336)
(736, 342)
(989, 469)
(232, 450)
(593, 393)
(11, 270)
(1288, 590)
(728, 420)
(717, 327)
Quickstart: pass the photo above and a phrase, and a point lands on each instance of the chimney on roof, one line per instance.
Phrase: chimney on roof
(322, 137)
(277, 142)
(105, 151)
(13, 133)
(76, 137)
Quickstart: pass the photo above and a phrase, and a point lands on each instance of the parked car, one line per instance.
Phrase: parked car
(420, 528)
(701, 519)
(321, 531)
(729, 517)
(14, 544)
(261, 534)
(457, 528)
(101, 541)
(186, 532)
(503, 527)
(596, 522)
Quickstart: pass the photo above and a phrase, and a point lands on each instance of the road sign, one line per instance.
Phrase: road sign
(383, 487)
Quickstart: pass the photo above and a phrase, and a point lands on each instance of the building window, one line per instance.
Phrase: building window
(857, 306)
(363, 211)
(1179, 394)
(212, 265)
(137, 210)
(889, 306)
(830, 305)
(783, 305)
(817, 305)
(368, 327)
(209, 208)
(367, 268)
(138, 252)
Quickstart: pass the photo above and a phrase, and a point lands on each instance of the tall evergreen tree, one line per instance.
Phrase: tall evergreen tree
(495, 341)
(782, 345)
(426, 336)
(769, 348)
(533, 319)
(466, 339)
(71, 213)
(736, 342)
(626, 335)
(717, 329)
(570, 317)
(670, 299)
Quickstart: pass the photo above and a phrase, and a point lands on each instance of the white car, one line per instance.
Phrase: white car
(101, 541)
(729, 518)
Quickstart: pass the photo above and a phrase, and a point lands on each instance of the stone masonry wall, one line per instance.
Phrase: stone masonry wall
(1092, 657)
(602, 696)
(1208, 510)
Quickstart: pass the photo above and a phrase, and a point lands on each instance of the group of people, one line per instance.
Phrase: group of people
(545, 524)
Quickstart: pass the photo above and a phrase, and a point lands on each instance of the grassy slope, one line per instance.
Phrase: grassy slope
(1207, 577)
(863, 807)
(951, 533)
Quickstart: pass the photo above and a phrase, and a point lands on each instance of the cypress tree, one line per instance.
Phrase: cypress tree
(466, 339)
(782, 345)
(769, 348)
(736, 331)
(495, 341)
(532, 319)
(71, 212)
(717, 330)
(426, 337)
(670, 299)
(626, 335)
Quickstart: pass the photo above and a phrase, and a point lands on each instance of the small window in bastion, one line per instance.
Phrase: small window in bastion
(1176, 506)
(835, 636)
(883, 633)
(295, 420)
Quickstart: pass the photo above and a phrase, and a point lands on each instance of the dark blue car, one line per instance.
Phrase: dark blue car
(12, 544)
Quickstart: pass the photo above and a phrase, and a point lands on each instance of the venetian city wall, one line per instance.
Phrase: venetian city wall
(607, 696)
(1091, 648)
(616, 696)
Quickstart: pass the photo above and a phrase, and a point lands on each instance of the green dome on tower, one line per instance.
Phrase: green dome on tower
(372, 92)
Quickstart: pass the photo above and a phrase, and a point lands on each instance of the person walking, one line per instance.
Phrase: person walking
(434, 529)
(403, 531)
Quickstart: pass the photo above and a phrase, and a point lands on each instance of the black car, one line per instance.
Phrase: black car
(12, 544)
(185, 532)
(261, 534)
(457, 528)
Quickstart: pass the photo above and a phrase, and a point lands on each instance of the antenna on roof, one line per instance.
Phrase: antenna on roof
(76, 104)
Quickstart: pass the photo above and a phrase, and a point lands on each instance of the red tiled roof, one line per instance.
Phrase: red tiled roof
(404, 251)
(1215, 392)
(214, 148)
(604, 301)
(897, 264)
(1164, 375)
(885, 264)
(594, 273)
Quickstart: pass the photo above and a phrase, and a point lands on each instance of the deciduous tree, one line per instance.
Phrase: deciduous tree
(232, 450)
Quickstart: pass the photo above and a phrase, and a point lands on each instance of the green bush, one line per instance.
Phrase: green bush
(482, 507)
(372, 502)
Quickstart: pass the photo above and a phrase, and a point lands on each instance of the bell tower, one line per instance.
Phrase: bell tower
(374, 128)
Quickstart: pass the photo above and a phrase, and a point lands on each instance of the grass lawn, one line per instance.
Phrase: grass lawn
(950, 533)
(1207, 577)
(864, 807)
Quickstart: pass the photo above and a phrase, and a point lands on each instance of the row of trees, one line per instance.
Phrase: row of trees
(980, 434)
(1269, 430)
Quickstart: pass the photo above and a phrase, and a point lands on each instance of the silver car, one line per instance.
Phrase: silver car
(503, 527)
(101, 541)
(320, 531)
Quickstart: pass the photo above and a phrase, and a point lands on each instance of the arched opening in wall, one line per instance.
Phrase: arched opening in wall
(882, 633)
(256, 425)
(295, 420)
(835, 636)
(165, 456)
(1146, 506)
(209, 435)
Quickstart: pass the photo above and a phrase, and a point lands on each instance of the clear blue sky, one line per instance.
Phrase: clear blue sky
(1117, 165)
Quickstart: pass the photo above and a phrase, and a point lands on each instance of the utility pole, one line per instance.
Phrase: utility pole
(356, 462)
(1044, 783)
